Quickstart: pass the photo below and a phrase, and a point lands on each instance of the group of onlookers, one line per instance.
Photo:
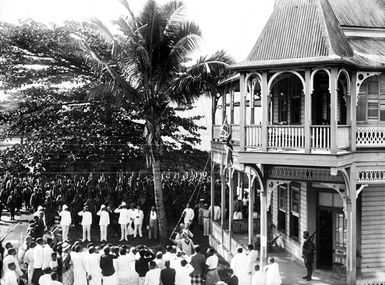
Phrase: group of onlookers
(43, 262)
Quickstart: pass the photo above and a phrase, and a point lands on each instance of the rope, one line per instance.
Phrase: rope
(9, 231)
(196, 187)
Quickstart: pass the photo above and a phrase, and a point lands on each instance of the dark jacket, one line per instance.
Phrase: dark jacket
(141, 265)
(107, 264)
(233, 280)
(198, 261)
(167, 276)
(308, 250)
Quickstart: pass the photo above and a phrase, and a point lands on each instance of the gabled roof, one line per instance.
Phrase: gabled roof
(299, 31)
(360, 13)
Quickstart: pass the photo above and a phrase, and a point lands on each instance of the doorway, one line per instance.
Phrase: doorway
(325, 239)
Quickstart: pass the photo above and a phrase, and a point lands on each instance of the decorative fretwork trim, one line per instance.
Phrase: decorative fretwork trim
(303, 173)
(371, 176)
(361, 77)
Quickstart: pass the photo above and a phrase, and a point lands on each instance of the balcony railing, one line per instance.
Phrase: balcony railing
(293, 137)
(320, 137)
(286, 137)
(343, 137)
(370, 136)
(254, 136)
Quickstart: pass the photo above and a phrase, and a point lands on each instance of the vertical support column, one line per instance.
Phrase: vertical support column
(212, 194)
(265, 109)
(263, 220)
(251, 209)
(351, 246)
(333, 110)
(223, 198)
(353, 110)
(223, 105)
(251, 100)
(213, 112)
(231, 94)
(242, 112)
(307, 94)
(231, 207)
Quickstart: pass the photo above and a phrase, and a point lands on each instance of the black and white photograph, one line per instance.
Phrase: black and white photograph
(192, 142)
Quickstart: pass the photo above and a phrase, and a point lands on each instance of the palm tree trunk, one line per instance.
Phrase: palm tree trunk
(163, 233)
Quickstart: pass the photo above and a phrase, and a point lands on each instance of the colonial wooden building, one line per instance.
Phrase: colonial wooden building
(307, 118)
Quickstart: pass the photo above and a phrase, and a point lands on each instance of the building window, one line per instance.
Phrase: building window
(371, 103)
(295, 202)
(282, 207)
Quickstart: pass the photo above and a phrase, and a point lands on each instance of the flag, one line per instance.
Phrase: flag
(226, 135)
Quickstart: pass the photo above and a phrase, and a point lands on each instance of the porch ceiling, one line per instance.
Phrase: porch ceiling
(296, 159)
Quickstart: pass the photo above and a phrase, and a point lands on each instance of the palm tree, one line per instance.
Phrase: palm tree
(149, 69)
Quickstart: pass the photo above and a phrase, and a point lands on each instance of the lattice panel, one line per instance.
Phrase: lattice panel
(302, 173)
(370, 136)
(371, 176)
(371, 282)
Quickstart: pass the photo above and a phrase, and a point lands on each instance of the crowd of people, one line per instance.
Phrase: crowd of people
(95, 190)
(45, 261)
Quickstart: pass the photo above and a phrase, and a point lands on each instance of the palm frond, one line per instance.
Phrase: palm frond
(124, 27)
(175, 20)
(131, 13)
(102, 29)
(185, 47)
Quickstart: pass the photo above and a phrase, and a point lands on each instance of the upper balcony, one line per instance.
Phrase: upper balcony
(300, 113)
(292, 138)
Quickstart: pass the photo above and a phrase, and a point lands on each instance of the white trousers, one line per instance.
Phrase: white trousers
(138, 230)
(123, 231)
(206, 226)
(103, 232)
(86, 232)
(65, 229)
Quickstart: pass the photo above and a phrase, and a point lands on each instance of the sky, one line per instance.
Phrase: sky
(225, 24)
(232, 25)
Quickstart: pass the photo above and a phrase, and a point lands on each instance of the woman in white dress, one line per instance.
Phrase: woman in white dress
(79, 267)
(123, 267)
(94, 272)
(273, 277)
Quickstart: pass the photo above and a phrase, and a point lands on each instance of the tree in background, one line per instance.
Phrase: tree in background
(57, 102)
(150, 61)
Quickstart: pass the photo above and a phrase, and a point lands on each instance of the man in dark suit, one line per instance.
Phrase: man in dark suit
(198, 262)
(233, 279)
(167, 275)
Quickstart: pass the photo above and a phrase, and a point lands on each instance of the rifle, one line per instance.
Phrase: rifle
(310, 238)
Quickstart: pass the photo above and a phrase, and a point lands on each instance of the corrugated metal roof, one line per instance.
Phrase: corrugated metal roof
(299, 30)
(361, 13)
(368, 52)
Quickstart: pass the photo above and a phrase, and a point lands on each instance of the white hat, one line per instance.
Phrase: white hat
(65, 206)
(40, 208)
(123, 204)
(102, 206)
(65, 246)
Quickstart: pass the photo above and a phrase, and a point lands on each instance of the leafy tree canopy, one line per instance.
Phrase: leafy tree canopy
(64, 108)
